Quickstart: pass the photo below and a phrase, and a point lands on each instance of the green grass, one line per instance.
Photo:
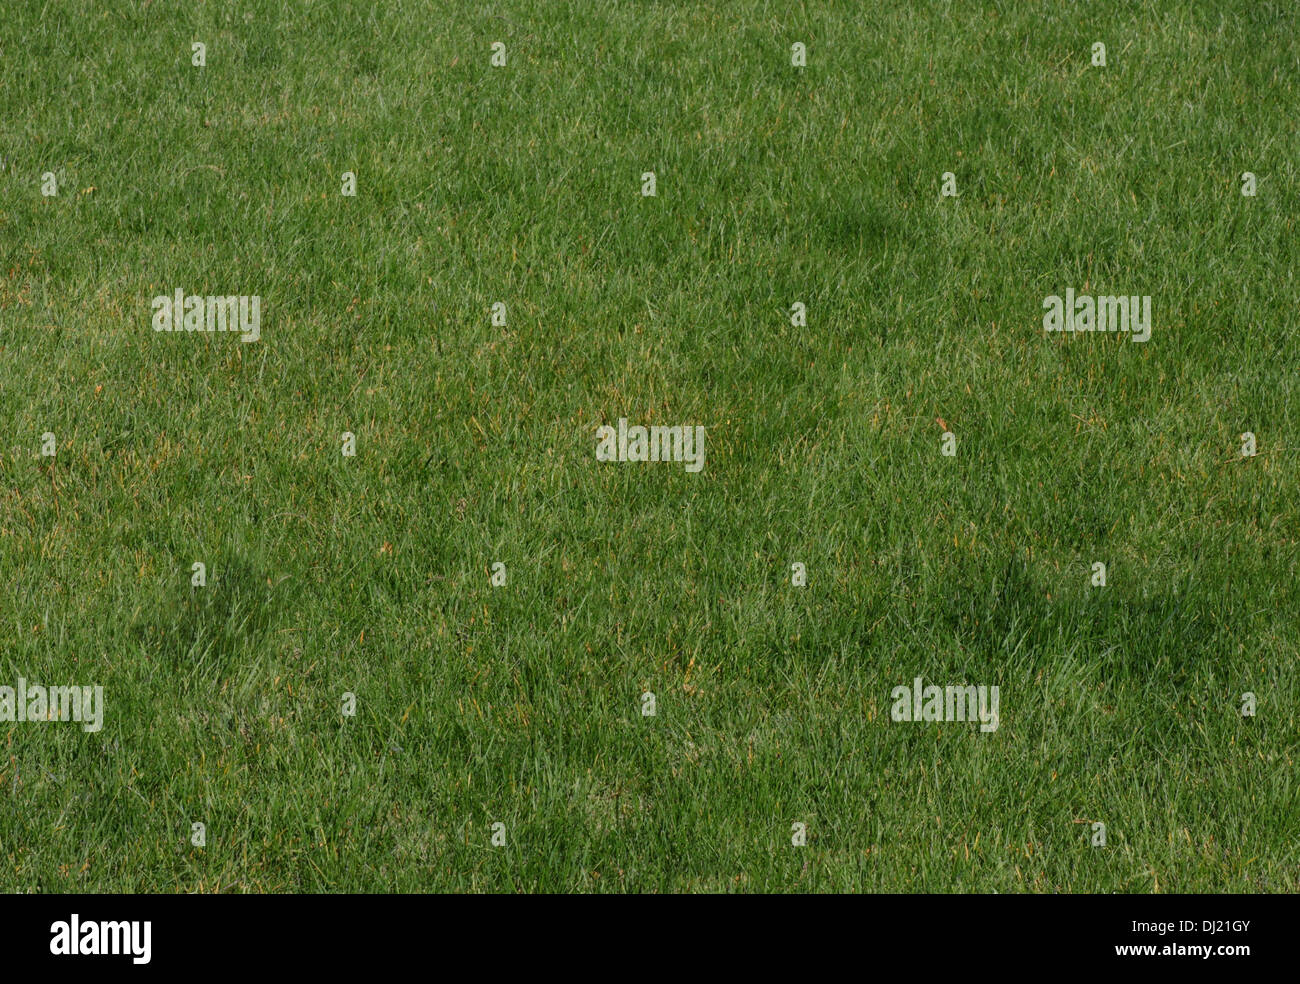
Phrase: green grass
(476, 445)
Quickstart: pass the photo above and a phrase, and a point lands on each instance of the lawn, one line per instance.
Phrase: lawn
(497, 289)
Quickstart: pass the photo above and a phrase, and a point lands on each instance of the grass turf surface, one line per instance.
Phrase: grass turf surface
(520, 704)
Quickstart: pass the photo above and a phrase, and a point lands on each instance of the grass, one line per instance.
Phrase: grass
(521, 704)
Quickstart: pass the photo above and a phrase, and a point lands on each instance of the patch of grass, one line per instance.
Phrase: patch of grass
(521, 704)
